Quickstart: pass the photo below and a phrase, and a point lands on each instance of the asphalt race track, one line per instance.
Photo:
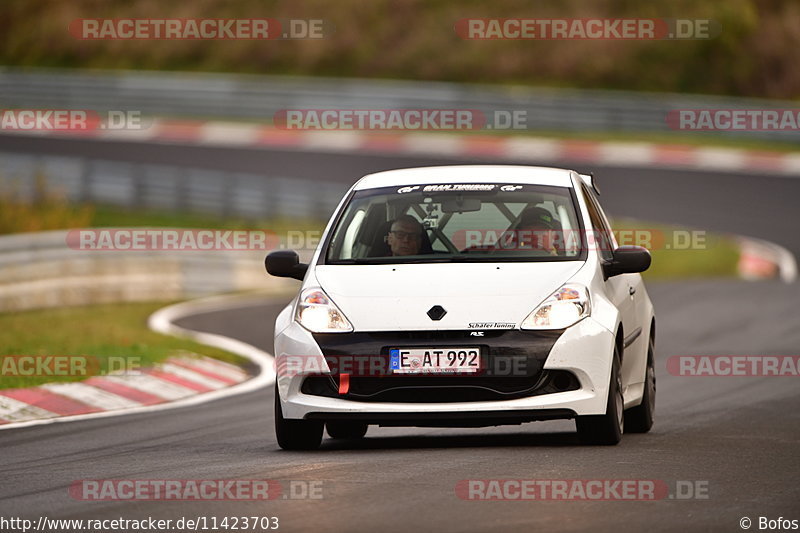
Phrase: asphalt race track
(734, 440)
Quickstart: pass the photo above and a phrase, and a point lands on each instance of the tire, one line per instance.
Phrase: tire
(606, 429)
(346, 430)
(296, 434)
(639, 419)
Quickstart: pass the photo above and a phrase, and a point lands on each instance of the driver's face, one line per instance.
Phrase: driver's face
(404, 238)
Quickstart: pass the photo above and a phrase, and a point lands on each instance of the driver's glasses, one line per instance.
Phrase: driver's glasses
(404, 235)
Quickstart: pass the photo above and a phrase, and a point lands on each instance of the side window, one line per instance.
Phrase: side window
(602, 232)
(604, 218)
(350, 236)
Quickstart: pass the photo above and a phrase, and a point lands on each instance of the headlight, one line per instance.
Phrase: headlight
(318, 314)
(560, 310)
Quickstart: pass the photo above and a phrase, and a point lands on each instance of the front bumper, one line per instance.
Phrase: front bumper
(582, 351)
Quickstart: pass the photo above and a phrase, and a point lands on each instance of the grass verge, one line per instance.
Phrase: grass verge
(106, 216)
(678, 252)
(110, 333)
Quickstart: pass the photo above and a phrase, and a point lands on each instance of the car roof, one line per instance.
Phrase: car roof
(467, 174)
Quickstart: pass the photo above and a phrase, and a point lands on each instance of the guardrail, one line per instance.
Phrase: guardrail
(259, 97)
(39, 270)
(163, 187)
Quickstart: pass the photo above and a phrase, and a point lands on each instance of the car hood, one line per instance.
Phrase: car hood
(398, 297)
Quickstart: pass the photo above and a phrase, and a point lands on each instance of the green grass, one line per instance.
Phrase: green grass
(49, 210)
(674, 254)
(105, 216)
(28, 217)
(101, 331)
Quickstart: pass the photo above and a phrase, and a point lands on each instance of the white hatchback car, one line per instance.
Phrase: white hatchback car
(465, 296)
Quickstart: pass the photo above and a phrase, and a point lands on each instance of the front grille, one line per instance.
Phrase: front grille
(438, 389)
(512, 364)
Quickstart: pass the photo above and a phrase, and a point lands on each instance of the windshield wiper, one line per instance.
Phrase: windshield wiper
(460, 258)
(393, 260)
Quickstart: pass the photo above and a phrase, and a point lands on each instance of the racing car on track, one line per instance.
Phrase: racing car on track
(465, 296)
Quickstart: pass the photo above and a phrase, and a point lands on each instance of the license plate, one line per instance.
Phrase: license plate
(435, 360)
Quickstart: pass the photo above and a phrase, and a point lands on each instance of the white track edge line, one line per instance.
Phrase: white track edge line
(782, 257)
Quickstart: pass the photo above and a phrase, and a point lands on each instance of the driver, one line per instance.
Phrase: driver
(405, 236)
(538, 230)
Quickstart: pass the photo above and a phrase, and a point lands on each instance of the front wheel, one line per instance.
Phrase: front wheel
(296, 434)
(639, 419)
(606, 429)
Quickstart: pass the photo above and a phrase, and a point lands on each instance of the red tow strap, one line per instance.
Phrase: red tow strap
(344, 383)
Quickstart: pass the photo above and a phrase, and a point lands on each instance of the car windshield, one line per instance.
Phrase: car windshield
(457, 222)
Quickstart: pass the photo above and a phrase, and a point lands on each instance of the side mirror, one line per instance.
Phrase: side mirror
(285, 264)
(627, 260)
